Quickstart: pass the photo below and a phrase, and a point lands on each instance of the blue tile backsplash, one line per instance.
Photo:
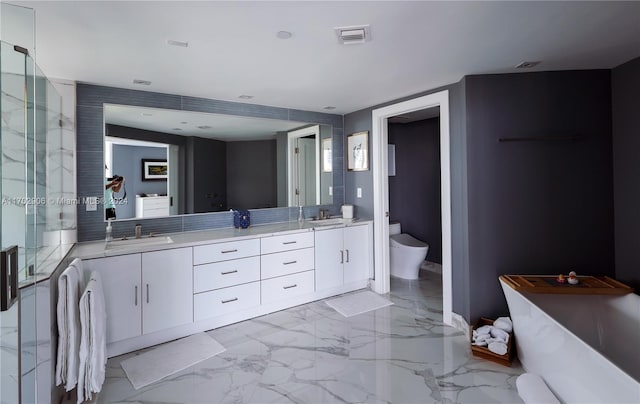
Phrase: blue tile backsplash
(90, 145)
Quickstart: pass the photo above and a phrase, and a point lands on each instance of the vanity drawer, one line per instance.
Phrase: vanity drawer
(204, 254)
(287, 286)
(285, 263)
(225, 273)
(287, 242)
(225, 301)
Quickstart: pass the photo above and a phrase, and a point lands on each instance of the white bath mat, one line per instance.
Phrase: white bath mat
(170, 358)
(358, 303)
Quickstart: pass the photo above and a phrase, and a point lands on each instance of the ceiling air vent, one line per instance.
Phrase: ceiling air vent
(353, 35)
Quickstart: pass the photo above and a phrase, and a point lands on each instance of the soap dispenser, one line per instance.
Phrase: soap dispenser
(300, 215)
(108, 237)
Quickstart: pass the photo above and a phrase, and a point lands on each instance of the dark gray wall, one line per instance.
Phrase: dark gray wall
(361, 121)
(90, 100)
(208, 175)
(252, 178)
(537, 207)
(414, 192)
(127, 162)
(626, 170)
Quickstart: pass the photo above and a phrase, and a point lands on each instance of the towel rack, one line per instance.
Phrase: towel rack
(540, 139)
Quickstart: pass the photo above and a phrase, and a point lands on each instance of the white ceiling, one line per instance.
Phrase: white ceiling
(233, 48)
(212, 126)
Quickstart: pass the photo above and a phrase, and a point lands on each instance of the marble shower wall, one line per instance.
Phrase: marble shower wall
(60, 157)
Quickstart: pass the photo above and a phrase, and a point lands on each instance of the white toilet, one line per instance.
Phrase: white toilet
(407, 253)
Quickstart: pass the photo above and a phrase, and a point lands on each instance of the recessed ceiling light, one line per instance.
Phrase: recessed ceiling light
(176, 129)
(178, 43)
(329, 107)
(141, 82)
(527, 65)
(204, 127)
(146, 114)
(245, 97)
(284, 34)
(184, 122)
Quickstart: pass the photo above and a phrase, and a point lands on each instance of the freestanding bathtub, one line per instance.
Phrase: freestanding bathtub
(585, 347)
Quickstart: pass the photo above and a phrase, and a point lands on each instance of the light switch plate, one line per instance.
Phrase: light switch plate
(330, 191)
(359, 192)
(91, 203)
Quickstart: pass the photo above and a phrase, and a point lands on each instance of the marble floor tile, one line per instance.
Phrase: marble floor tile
(311, 354)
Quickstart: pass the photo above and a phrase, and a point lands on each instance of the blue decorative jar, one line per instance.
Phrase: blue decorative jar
(241, 219)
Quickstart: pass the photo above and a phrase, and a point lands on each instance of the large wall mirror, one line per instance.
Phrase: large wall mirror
(181, 162)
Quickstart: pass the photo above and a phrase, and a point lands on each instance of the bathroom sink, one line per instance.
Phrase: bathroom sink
(138, 242)
(327, 222)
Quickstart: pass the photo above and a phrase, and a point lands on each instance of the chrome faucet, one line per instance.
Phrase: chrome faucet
(323, 214)
(138, 231)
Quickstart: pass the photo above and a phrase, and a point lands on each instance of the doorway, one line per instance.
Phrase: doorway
(304, 174)
(380, 139)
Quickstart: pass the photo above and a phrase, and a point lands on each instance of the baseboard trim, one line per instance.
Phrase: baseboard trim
(458, 322)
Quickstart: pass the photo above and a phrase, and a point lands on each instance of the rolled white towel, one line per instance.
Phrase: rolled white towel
(532, 389)
(503, 323)
(485, 329)
(498, 347)
(499, 334)
(482, 337)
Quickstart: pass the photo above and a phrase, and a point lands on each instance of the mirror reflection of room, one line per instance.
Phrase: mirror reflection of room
(214, 162)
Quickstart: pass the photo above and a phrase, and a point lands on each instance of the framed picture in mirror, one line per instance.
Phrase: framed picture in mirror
(154, 170)
(358, 151)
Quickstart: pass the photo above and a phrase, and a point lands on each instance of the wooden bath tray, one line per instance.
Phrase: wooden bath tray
(588, 285)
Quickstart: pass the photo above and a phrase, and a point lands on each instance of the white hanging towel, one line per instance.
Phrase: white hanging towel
(70, 285)
(93, 347)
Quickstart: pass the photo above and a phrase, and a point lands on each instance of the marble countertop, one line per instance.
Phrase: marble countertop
(99, 249)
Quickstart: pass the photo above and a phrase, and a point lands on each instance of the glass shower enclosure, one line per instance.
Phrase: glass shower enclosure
(32, 210)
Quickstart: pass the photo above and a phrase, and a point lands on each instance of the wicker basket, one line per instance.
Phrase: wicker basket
(485, 353)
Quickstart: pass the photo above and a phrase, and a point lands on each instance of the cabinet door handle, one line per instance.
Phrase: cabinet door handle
(230, 251)
(289, 263)
(342, 256)
(289, 242)
(290, 286)
(147, 293)
(229, 272)
(229, 301)
(136, 294)
(347, 256)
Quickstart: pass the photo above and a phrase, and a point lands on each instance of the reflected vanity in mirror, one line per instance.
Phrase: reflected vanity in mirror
(181, 162)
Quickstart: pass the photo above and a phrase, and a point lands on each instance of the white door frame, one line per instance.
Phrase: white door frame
(380, 139)
(292, 169)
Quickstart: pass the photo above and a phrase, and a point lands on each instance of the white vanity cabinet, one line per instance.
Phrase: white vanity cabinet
(121, 283)
(226, 278)
(145, 292)
(342, 256)
(152, 206)
(153, 296)
(167, 289)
